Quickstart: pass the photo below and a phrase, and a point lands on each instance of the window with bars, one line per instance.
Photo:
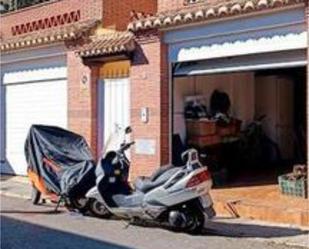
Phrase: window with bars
(11, 5)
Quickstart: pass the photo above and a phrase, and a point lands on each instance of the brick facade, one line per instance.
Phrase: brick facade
(82, 79)
(149, 74)
(82, 117)
(89, 9)
(82, 99)
(164, 5)
(149, 88)
(116, 14)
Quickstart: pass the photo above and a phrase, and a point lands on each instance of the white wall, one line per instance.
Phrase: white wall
(274, 31)
(239, 87)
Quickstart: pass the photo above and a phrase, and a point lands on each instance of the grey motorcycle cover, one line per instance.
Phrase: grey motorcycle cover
(62, 158)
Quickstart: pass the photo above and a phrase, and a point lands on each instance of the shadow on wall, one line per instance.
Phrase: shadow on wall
(6, 168)
(139, 57)
(19, 234)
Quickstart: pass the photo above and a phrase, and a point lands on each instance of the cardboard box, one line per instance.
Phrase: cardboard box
(201, 127)
(202, 141)
(231, 129)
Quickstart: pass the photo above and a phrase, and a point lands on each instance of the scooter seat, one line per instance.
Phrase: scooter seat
(133, 200)
(161, 170)
(145, 184)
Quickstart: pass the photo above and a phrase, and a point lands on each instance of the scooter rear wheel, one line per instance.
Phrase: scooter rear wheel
(98, 209)
(196, 225)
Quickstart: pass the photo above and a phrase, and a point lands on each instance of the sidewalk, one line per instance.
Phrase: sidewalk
(16, 186)
(261, 202)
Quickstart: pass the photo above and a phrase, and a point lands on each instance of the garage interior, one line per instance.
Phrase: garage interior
(246, 161)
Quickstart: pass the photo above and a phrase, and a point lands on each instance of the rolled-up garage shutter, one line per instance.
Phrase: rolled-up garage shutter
(286, 59)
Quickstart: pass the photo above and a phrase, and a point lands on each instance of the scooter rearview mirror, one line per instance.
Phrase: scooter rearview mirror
(128, 130)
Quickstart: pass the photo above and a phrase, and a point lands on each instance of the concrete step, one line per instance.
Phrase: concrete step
(264, 203)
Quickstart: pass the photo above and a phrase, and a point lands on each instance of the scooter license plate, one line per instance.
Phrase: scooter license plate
(206, 201)
(112, 179)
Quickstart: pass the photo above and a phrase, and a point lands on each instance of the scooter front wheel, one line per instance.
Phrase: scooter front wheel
(81, 204)
(98, 209)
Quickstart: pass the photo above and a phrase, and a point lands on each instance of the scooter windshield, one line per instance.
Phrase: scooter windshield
(114, 141)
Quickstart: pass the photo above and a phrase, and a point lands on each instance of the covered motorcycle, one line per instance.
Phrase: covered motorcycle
(60, 163)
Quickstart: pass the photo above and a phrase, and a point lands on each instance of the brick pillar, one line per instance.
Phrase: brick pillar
(149, 88)
(82, 105)
(165, 104)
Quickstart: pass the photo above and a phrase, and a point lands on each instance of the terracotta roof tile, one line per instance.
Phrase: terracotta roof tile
(63, 33)
(109, 43)
(201, 12)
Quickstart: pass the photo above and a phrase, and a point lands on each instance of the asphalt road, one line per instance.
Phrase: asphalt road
(31, 227)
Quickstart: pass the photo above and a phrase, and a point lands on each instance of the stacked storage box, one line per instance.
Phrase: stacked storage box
(204, 132)
(201, 133)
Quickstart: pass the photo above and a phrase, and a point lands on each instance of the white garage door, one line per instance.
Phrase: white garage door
(32, 97)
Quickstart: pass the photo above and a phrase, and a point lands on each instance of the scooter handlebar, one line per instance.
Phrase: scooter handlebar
(127, 146)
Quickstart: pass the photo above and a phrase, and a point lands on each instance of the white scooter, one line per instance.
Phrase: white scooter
(174, 196)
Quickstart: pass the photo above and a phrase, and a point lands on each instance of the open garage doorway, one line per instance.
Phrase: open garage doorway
(261, 136)
(268, 112)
